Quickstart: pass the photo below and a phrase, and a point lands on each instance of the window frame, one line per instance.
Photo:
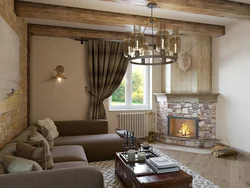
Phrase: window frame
(128, 92)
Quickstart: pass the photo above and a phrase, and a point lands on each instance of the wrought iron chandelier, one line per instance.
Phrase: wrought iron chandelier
(167, 47)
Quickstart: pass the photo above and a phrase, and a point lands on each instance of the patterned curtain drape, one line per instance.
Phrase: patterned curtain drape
(107, 67)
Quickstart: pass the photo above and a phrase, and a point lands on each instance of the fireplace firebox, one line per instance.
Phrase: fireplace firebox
(183, 127)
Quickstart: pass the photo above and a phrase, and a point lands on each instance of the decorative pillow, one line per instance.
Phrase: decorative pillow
(16, 164)
(47, 134)
(36, 136)
(36, 151)
(49, 130)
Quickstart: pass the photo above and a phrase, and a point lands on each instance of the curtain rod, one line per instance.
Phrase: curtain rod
(86, 40)
(81, 40)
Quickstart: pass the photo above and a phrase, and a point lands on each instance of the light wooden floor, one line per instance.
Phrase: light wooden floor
(224, 172)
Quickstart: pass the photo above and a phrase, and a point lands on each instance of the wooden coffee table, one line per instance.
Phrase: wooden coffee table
(169, 180)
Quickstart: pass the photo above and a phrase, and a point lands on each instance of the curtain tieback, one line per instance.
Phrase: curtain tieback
(93, 95)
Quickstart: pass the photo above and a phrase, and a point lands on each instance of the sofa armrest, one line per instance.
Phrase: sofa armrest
(82, 127)
(82, 177)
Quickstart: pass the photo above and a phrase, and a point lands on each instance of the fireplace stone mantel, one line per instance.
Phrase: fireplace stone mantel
(192, 97)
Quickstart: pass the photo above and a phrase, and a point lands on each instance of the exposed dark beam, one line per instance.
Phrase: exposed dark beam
(70, 14)
(220, 8)
(67, 32)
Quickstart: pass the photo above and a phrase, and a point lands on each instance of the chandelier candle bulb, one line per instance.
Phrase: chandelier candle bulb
(137, 45)
(162, 44)
(175, 48)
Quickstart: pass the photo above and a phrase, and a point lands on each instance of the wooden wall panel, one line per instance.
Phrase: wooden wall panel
(197, 79)
(204, 81)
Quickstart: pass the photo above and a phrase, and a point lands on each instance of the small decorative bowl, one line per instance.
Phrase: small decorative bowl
(146, 147)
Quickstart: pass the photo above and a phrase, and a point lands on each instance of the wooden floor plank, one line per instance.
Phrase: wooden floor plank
(230, 172)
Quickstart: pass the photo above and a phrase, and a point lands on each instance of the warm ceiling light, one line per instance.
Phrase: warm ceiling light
(59, 69)
(167, 47)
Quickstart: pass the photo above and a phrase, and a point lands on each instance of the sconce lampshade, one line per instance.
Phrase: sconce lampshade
(59, 69)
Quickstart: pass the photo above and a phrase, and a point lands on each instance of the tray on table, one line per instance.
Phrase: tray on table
(148, 153)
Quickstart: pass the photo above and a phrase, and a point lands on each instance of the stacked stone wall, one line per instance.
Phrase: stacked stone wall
(204, 111)
(12, 122)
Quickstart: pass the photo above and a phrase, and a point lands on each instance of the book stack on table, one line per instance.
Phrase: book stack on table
(162, 165)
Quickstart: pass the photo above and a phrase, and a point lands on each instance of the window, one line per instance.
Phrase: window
(134, 91)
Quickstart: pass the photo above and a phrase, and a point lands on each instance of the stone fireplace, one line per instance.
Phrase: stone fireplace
(187, 121)
(187, 93)
(182, 127)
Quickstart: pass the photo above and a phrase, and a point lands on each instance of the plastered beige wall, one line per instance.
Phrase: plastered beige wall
(12, 122)
(60, 101)
(67, 100)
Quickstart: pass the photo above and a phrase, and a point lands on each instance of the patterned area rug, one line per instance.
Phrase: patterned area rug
(112, 181)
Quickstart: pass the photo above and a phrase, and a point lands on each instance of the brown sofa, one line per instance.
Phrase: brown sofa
(78, 143)
(97, 143)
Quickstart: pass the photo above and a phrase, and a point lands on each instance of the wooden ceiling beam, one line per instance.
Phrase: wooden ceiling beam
(86, 16)
(219, 8)
(67, 32)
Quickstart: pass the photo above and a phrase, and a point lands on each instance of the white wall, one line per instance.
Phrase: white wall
(67, 100)
(231, 78)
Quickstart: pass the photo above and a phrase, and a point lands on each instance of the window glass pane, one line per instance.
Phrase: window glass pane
(138, 84)
(118, 97)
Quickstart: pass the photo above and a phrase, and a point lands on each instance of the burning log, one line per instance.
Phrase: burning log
(184, 131)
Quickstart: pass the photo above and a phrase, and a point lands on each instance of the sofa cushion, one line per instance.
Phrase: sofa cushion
(36, 151)
(70, 164)
(68, 153)
(14, 164)
(97, 147)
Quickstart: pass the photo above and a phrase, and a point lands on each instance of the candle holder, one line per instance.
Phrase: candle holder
(129, 141)
(151, 133)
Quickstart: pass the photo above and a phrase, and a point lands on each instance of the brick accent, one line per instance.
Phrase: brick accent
(11, 123)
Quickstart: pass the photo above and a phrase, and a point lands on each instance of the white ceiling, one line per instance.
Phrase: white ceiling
(127, 9)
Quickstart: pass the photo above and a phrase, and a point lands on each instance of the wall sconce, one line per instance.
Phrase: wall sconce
(59, 69)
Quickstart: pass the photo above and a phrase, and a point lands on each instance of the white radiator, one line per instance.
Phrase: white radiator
(136, 122)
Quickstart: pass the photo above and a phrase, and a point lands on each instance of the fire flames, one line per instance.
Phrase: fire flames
(184, 131)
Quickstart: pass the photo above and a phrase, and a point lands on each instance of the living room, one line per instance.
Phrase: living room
(207, 83)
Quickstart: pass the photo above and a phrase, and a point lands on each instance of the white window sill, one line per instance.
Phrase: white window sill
(136, 109)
